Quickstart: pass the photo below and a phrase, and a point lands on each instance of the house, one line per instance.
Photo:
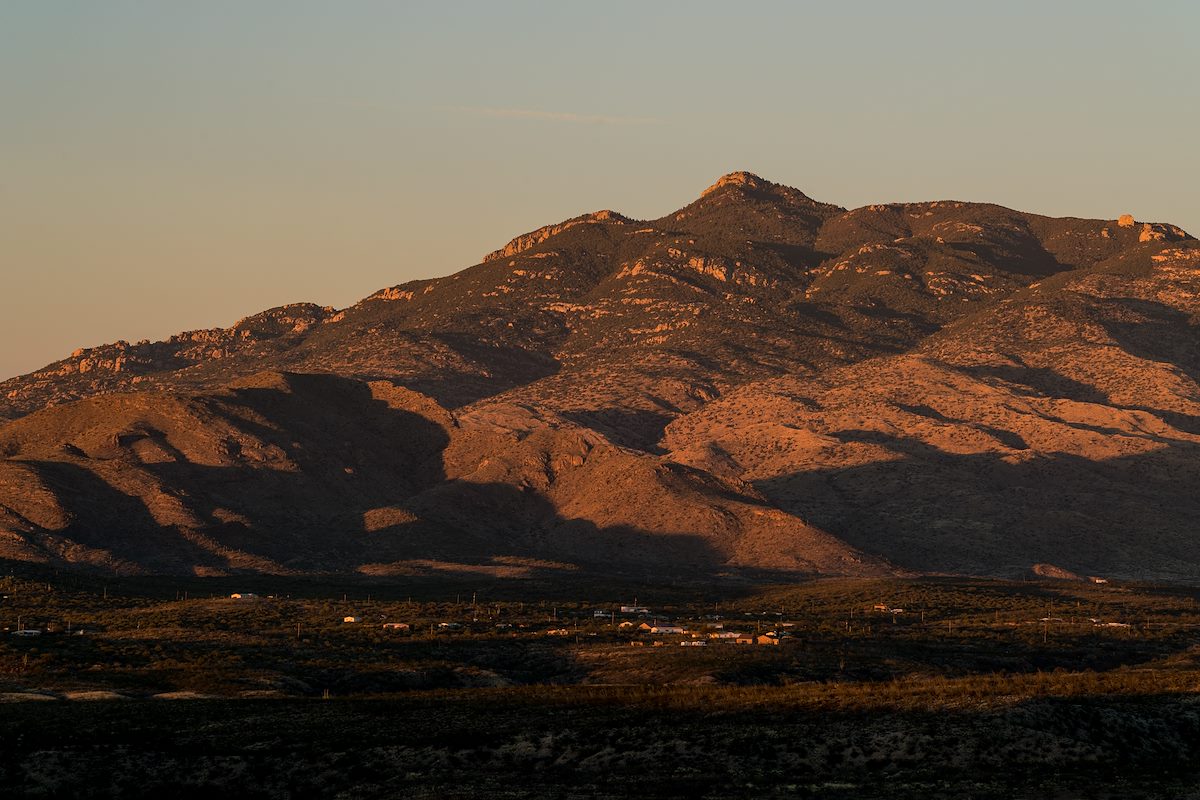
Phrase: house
(668, 630)
(693, 643)
(635, 610)
(636, 643)
(881, 607)
(726, 635)
(449, 626)
(1095, 579)
(27, 632)
(766, 639)
(625, 624)
(744, 640)
(558, 632)
(346, 620)
(396, 626)
(600, 613)
(243, 596)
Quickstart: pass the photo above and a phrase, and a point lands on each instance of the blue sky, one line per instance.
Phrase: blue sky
(170, 165)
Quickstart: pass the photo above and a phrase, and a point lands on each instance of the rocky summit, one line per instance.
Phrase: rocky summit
(756, 383)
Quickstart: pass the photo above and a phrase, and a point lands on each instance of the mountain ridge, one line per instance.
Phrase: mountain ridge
(654, 342)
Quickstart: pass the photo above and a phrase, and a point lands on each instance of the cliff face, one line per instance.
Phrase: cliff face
(756, 381)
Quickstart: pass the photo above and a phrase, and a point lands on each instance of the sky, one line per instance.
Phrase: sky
(169, 165)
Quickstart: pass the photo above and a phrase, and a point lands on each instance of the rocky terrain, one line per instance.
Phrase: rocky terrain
(755, 382)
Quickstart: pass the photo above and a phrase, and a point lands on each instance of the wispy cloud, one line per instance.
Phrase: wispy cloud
(555, 116)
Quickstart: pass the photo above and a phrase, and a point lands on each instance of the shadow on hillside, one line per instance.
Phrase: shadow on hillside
(1157, 332)
(326, 477)
(1007, 438)
(798, 257)
(1143, 328)
(507, 367)
(118, 528)
(639, 429)
(1041, 380)
(927, 509)
(1021, 254)
(918, 322)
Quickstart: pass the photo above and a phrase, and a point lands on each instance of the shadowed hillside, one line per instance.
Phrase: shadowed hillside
(287, 472)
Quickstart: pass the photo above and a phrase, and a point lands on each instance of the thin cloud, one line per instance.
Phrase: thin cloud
(555, 116)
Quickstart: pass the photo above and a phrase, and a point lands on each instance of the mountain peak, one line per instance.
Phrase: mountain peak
(739, 178)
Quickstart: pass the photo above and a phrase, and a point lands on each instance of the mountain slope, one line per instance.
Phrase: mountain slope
(756, 381)
(1061, 425)
(288, 472)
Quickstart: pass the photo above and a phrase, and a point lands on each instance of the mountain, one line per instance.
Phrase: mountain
(756, 382)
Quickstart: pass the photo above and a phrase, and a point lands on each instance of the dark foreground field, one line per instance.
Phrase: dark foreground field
(951, 688)
(591, 743)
